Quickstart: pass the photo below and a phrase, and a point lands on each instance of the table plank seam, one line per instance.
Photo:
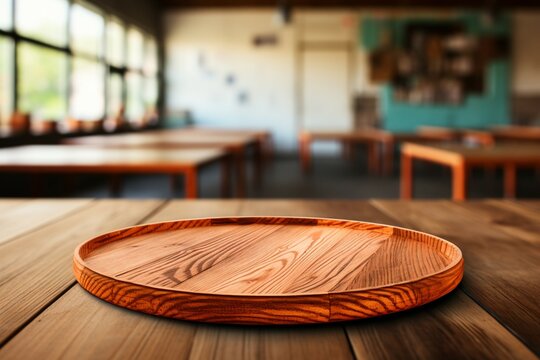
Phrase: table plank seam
(350, 343)
(51, 221)
(485, 308)
(496, 317)
(73, 282)
(35, 315)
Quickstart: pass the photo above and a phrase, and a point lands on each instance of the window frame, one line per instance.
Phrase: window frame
(68, 50)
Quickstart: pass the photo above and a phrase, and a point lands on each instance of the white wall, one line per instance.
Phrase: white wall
(204, 47)
(526, 53)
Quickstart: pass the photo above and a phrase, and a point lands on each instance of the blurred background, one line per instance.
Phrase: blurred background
(257, 98)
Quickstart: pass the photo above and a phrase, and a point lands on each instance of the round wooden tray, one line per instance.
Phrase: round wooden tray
(268, 270)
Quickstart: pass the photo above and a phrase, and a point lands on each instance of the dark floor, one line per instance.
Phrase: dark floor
(330, 178)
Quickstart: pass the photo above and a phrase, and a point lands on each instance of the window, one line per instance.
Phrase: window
(116, 44)
(5, 14)
(62, 58)
(44, 20)
(134, 106)
(42, 82)
(114, 96)
(135, 42)
(150, 57)
(87, 31)
(150, 95)
(6, 80)
(151, 80)
(87, 100)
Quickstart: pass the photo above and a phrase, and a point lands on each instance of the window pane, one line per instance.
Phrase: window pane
(6, 80)
(134, 106)
(135, 48)
(5, 14)
(150, 57)
(87, 101)
(115, 94)
(87, 30)
(42, 82)
(45, 20)
(151, 91)
(116, 44)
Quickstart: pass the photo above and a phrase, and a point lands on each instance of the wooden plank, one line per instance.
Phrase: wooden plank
(321, 342)
(80, 325)
(111, 334)
(530, 204)
(501, 269)
(19, 217)
(451, 328)
(36, 268)
(515, 219)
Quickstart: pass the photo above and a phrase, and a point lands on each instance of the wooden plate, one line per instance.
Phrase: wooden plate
(268, 270)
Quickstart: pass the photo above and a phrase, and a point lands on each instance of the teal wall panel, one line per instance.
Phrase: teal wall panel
(477, 111)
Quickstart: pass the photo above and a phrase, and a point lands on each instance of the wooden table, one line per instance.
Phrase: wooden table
(88, 159)
(461, 159)
(380, 144)
(237, 144)
(493, 314)
(347, 139)
(516, 133)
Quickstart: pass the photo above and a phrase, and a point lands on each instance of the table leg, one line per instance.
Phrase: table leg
(115, 185)
(259, 162)
(510, 180)
(459, 182)
(36, 185)
(174, 184)
(70, 184)
(191, 185)
(305, 155)
(240, 173)
(268, 147)
(406, 176)
(226, 177)
(388, 160)
(373, 158)
(346, 150)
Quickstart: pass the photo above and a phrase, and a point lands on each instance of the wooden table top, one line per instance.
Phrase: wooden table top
(498, 153)
(517, 132)
(186, 137)
(352, 135)
(380, 135)
(67, 157)
(493, 313)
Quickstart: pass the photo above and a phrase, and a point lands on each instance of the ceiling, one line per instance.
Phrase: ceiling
(354, 3)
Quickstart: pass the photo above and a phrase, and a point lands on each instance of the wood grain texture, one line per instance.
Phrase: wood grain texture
(106, 331)
(52, 158)
(18, 217)
(35, 267)
(179, 138)
(501, 248)
(80, 326)
(261, 270)
(453, 327)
